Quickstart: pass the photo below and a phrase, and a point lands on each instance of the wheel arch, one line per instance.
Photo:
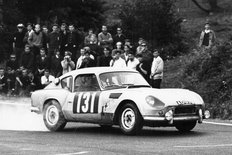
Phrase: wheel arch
(47, 102)
(117, 111)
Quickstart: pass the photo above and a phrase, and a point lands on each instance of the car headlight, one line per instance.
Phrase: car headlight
(152, 101)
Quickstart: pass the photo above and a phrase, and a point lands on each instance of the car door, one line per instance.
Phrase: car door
(83, 102)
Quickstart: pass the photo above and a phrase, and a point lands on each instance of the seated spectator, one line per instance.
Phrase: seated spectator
(67, 64)
(27, 58)
(132, 61)
(56, 68)
(117, 61)
(35, 82)
(12, 63)
(3, 81)
(46, 79)
(87, 61)
(11, 79)
(42, 63)
(23, 81)
(105, 59)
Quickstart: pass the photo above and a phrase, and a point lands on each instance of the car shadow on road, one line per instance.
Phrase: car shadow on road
(145, 132)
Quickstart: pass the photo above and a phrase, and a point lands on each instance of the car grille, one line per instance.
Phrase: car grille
(185, 110)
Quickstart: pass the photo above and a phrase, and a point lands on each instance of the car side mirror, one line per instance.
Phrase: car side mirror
(57, 81)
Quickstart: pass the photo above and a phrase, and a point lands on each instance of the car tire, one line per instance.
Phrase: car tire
(130, 119)
(53, 116)
(185, 126)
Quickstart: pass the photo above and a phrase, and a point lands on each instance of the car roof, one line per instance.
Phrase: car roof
(96, 70)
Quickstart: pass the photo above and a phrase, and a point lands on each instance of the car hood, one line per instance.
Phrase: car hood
(169, 96)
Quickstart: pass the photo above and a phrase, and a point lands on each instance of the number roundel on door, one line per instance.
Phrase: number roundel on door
(86, 102)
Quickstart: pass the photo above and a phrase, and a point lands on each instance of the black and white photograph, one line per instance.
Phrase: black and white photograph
(115, 77)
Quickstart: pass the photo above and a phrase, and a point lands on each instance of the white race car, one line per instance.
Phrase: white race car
(109, 96)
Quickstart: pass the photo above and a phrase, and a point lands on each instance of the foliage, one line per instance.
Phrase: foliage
(155, 21)
(209, 74)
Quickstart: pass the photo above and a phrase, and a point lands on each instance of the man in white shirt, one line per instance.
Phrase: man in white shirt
(132, 61)
(156, 70)
(47, 78)
(117, 61)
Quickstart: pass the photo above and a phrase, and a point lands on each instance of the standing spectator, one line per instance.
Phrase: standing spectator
(104, 38)
(73, 42)
(24, 83)
(147, 55)
(139, 48)
(91, 42)
(18, 44)
(82, 57)
(156, 70)
(125, 54)
(45, 37)
(132, 61)
(35, 40)
(63, 38)
(117, 61)
(46, 79)
(128, 42)
(67, 64)
(105, 59)
(3, 81)
(53, 41)
(144, 67)
(119, 37)
(56, 68)
(87, 61)
(207, 37)
(28, 33)
(42, 63)
(27, 58)
(12, 63)
(91, 38)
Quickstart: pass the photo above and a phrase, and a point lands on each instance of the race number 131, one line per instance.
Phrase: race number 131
(86, 102)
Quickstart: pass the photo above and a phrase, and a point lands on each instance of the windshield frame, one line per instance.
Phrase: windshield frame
(146, 84)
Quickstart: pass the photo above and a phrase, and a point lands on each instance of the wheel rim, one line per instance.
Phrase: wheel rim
(128, 118)
(52, 115)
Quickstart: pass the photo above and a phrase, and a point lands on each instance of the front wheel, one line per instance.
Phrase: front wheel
(185, 126)
(53, 116)
(130, 119)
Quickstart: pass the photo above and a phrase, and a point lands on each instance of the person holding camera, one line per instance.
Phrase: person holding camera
(67, 64)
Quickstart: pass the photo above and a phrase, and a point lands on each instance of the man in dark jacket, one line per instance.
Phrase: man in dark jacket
(27, 58)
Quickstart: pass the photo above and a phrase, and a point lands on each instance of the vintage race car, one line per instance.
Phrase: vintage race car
(109, 96)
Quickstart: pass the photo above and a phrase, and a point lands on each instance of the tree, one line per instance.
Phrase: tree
(155, 21)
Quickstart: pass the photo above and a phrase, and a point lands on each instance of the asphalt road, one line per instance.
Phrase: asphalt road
(23, 133)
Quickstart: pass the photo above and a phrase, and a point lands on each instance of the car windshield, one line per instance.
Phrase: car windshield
(114, 80)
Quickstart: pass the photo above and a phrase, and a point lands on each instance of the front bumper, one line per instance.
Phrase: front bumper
(183, 118)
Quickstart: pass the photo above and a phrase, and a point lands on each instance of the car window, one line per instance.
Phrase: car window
(66, 83)
(121, 79)
(86, 82)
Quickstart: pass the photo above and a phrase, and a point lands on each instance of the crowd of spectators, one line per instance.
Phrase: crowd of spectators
(40, 55)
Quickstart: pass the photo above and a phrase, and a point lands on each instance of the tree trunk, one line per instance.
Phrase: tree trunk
(1, 12)
(199, 6)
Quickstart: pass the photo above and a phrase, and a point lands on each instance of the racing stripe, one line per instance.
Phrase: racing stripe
(96, 102)
(75, 103)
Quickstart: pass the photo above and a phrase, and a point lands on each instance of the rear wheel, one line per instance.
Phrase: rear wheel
(130, 119)
(53, 116)
(185, 126)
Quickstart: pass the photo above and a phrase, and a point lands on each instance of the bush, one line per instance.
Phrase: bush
(209, 74)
